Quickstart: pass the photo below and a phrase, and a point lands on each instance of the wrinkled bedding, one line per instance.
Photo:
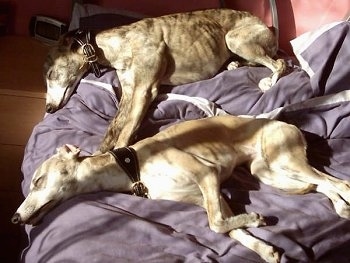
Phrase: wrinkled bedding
(116, 227)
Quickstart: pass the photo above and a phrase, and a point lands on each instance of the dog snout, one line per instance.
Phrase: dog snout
(16, 219)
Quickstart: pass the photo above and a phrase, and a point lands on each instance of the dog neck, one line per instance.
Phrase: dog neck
(93, 56)
(126, 157)
(101, 173)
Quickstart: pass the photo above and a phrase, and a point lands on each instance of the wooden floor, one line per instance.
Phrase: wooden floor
(22, 94)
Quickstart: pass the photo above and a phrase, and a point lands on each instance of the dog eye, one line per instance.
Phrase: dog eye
(39, 182)
(49, 74)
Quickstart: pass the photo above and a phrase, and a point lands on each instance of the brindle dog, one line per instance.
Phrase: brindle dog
(173, 49)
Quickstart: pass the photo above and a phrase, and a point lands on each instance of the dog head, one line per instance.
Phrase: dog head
(64, 67)
(53, 182)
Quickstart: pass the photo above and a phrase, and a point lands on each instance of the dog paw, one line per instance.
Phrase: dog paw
(344, 190)
(233, 65)
(265, 84)
(270, 255)
(342, 209)
(223, 225)
(256, 220)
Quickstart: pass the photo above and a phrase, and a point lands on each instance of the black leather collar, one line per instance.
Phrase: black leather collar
(84, 40)
(127, 159)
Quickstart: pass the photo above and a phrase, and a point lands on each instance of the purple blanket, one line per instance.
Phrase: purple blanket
(114, 227)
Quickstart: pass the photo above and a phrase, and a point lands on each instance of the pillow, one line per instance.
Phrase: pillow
(94, 17)
(324, 54)
(304, 41)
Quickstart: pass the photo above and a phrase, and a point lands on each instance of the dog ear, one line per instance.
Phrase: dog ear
(67, 40)
(68, 151)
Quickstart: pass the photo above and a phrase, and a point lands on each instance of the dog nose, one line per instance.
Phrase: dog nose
(16, 219)
(50, 108)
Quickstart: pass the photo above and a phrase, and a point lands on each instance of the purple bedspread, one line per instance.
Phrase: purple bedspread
(114, 227)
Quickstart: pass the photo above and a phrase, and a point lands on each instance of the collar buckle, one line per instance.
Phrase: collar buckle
(90, 56)
(139, 189)
(127, 159)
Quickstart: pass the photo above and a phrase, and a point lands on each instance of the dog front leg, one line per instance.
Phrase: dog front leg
(222, 220)
(265, 251)
(140, 83)
(133, 107)
(138, 107)
(220, 215)
(117, 123)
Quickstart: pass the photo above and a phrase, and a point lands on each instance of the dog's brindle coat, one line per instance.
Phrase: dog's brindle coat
(173, 49)
(188, 162)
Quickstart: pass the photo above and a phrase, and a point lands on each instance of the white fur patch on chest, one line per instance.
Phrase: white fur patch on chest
(166, 181)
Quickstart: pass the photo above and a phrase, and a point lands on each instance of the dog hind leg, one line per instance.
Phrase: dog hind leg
(257, 48)
(283, 164)
(298, 177)
(281, 179)
(341, 206)
(338, 185)
(338, 191)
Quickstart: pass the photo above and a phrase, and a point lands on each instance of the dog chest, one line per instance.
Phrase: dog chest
(167, 181)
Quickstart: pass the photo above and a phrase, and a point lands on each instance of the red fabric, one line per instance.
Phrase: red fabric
(295, 16)
(157, 7)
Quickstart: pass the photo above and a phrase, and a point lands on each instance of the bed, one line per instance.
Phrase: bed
(117, 227)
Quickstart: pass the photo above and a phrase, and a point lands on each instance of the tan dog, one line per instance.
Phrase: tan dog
(174, 49)
(188, 162)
